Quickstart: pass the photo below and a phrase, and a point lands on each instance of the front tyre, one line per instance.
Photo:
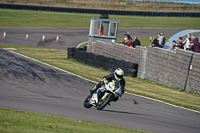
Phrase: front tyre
(86, 103)
(103, 103)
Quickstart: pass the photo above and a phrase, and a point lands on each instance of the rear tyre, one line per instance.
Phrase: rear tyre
(101, 105)
(86, 103)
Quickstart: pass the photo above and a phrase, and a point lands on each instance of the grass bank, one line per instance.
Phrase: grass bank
(26, 18)
(133, 85)
(13, 121)
(150, 5)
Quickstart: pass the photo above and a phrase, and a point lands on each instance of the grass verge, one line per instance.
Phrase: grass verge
(152, 5)
(133, 85)
(27, 18)
(29, 122)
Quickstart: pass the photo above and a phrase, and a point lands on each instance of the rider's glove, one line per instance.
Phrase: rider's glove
(105, 81)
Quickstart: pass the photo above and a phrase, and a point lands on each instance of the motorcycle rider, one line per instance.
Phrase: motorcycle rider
(117, 76)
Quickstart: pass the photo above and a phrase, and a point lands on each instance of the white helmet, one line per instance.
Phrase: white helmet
(119, 73)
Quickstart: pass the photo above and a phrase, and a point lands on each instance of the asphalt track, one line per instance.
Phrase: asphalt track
(29, 85)
(69, 37)
(32, 86)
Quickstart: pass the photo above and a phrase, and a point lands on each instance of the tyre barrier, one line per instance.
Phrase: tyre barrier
(100, 11)
(104, 62)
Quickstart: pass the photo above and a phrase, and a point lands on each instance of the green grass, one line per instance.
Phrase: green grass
(112, 4)
(13, 121)
(27, 18)
(133, 85)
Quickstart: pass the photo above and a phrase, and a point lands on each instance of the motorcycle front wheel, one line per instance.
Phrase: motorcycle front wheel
(86, 103)
(102, 103)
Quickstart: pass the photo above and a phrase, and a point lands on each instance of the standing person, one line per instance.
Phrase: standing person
(127, 40)
(136, 42)
(154, 42)
(174, 45)
(163, 39)
(186, 42)
(160, 40)
(101, 31)
(197, 45)
(130, 41)
(192, 45)
(180, 44)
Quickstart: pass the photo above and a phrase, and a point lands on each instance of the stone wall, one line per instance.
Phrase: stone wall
(168, 67)
(193, 81)
(117, 51)
(180, 69)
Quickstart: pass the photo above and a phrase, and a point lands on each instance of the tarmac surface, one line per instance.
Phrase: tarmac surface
(68, 37)
(29, 85)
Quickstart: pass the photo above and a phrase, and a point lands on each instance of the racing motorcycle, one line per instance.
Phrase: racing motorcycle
(103, 96)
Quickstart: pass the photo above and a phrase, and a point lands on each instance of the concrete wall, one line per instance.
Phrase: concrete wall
(161, 66)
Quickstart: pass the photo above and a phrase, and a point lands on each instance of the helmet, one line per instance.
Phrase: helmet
(119, 73)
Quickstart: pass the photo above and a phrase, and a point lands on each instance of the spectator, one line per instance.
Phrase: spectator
(101, 32)
(175, 45)
(191, 48)
(192, 37)
(180, 44)
(154, 42)
(160, 40)
(186, 42)
(127, 40)
(136, 42)
(129, 37)
(163, 39)
(197, 45)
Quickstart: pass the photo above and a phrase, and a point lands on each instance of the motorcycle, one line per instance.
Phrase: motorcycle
(103, 96)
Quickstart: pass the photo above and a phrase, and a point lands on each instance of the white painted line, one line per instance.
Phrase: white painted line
(96, 83)
(81, 44)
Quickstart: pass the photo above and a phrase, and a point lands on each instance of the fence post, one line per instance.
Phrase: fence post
(143, 64)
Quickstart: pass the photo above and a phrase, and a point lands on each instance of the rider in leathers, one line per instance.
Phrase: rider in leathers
(117, 76)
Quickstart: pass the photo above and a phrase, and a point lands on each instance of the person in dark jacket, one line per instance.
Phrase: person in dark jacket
(174, 45)
(192, 45)
(136, 42)
(197, 45)
(180, 44)
(154, 42)
(117, 76)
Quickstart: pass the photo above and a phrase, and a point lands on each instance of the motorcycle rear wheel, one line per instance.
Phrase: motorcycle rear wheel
(100, 105)
(86, 103)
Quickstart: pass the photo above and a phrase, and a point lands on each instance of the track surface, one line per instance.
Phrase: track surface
(31, 86)
(69, 37)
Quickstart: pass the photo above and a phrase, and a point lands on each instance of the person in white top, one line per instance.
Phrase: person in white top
(160, 40)
(187, 41)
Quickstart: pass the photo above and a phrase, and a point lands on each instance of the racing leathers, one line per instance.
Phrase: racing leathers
(107, 79)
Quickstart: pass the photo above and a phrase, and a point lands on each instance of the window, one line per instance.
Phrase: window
(104, 28)
(96, 28)
(112, 29)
